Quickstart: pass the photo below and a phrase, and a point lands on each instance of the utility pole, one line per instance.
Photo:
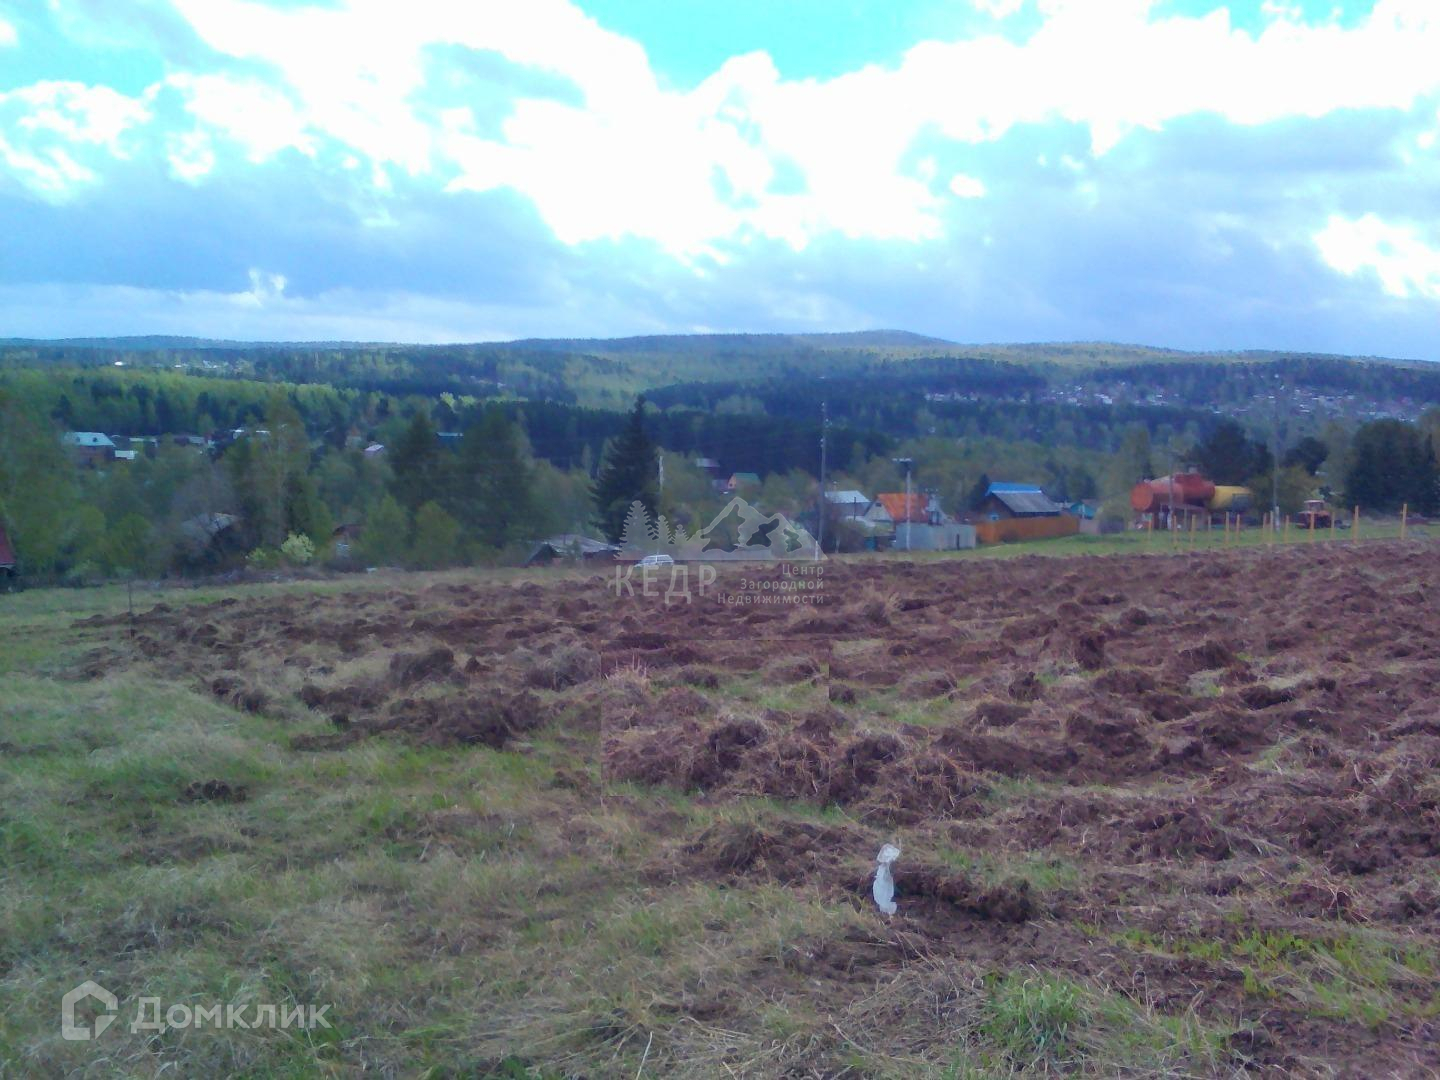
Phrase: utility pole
(820, 531)
(1170, 510)
(909, 464)
(658, 498)
(1275, 459)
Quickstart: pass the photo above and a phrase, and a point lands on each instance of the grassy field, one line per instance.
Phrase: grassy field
(467, 910)
(1135, 542)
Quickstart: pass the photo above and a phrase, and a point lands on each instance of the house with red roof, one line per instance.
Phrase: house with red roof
(918, 523)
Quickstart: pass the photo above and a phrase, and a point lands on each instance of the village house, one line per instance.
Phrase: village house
(89, 448)
(1004, 501)
(1013, 512)
(571, 546)
(918, 523)
(894, 508)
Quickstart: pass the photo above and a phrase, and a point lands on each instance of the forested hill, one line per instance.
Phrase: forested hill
(893, 380)
(1081, 421)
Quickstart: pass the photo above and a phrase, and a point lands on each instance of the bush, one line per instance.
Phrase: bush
(297, 549)
(263, 558)
(437, 538)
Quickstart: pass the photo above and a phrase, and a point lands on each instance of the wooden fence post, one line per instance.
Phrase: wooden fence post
(1404, 516)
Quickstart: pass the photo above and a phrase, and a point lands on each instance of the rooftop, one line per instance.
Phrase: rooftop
(1032, 501)
(90, 439)
(894, 504)
(1013, 489)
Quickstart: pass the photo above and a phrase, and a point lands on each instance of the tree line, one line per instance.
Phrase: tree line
(298, 484)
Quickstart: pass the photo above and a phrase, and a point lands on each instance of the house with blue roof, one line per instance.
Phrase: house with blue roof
(1004, 501)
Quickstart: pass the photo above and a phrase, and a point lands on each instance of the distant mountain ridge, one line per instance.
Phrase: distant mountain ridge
(903, 342)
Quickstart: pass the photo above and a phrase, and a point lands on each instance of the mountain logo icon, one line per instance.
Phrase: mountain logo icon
(739, 532)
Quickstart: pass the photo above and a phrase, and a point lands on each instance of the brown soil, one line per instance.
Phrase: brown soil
(1218, 745)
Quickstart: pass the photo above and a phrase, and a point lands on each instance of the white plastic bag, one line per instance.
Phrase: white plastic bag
(884, 888)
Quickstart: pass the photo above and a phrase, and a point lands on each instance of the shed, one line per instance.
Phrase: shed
(345, 536)
(742, 479)
(570, 546)
(848, 504)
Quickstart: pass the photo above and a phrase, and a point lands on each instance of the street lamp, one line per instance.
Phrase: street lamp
(909, 463)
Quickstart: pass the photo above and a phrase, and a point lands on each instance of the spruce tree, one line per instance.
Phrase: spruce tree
(493, 493)
(416, 462)
(977, 494)
(629, 473)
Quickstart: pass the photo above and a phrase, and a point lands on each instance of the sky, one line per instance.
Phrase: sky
(1183, 173)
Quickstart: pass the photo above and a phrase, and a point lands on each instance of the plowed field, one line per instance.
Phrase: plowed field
(1166, 814)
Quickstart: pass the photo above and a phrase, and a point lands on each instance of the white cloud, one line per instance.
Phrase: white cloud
(746, 155)
(265, 312)
(998, 9)
(265, 288)
(8, 35)
(191, 156)
(76, 113)
(261, 119)
(1406, 265)
(967, 187)
(47, 127)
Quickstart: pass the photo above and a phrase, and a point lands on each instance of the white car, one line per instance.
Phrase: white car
(657, 560)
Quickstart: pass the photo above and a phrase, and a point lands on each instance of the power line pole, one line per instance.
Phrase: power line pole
(908, 463)
(820, 530)
(1275, 459)
(658, 499)
(1170, 510)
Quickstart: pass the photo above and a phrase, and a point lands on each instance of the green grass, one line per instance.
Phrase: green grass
(1042, 872)
(1356, 975)
(464, 916)
(1032, 1022)
(1135, 542)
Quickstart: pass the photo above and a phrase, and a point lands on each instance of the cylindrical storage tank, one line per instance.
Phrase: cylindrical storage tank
(1189, 489)
(1230, 497)
(1143, 498)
